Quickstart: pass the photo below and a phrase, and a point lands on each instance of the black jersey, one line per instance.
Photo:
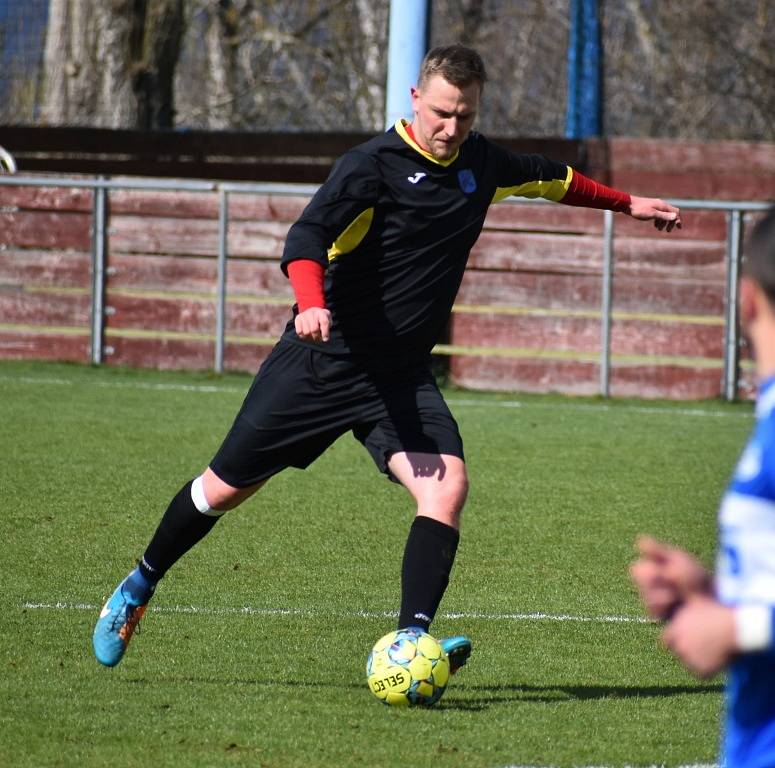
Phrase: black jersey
(393, 227)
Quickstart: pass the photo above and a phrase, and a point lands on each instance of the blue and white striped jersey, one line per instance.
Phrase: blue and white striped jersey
(745, 576)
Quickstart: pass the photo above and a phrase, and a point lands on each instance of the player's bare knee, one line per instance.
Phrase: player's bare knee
(457, 499)
(448, 515)
(218, 496)
(201, 498)
(463, 489)
(456, 491)
(445, 501)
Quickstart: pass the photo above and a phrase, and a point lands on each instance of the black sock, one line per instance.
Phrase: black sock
(428, 557)
(182, 526)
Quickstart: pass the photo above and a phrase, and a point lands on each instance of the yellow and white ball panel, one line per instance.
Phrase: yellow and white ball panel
(441, 672)
(430, 647)
(420, 667)
(390, 679)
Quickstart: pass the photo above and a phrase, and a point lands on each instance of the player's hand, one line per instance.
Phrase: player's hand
(666, 576)
(664, 215)
(702, 635)
(313, 324)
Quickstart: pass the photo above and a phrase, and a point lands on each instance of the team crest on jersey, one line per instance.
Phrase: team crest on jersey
(467, 180)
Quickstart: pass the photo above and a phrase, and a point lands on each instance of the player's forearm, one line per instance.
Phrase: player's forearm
(589, 193)
(708, 635)
(306, 278)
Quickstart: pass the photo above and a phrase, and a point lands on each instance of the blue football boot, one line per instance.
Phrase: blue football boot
(458, 650)
(119, 618)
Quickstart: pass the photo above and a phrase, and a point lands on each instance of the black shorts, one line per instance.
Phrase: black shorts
(302, 400)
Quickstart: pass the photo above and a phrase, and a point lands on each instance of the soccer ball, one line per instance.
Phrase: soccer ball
(407, 668)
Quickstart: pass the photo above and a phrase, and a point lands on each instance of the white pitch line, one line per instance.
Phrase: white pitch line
(656, 765)
(538, 616)
(312, 612)
(593, 407)
(205, 388)
(36, 380)
(455, 402)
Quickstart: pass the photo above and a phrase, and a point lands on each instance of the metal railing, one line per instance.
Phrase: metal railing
(735, 211)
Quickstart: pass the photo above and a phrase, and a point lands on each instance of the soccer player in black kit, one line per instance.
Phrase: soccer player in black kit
(375, 262)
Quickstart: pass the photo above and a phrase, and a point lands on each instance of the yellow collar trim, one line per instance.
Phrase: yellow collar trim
(401, 130)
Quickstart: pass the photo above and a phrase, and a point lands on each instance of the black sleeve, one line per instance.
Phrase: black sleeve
(528, 175)
(352, 187)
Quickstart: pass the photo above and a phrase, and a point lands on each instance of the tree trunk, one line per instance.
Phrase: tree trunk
(368, 83)
(111, 64)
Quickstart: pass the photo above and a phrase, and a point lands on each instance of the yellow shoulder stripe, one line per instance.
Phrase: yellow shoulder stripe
(554, 189)
(401, 130)
(351, 238)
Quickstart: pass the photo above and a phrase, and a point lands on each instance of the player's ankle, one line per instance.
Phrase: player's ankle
(139, 587)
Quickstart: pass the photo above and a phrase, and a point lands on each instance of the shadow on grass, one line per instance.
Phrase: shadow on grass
(486, 696)
(472, 698)
(246, 682)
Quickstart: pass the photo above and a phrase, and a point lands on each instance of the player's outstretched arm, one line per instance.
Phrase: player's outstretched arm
(667, 576)
(589, 193)
(664, 215)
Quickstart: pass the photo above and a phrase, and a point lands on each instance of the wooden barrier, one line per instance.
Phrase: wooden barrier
(234, 155)
(527, 316)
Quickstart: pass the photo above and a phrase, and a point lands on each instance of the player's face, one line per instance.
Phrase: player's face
(443, 115)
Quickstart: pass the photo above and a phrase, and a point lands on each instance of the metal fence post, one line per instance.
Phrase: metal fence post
(605, 303)
(220, 307)
(731, 334)
(98, 249)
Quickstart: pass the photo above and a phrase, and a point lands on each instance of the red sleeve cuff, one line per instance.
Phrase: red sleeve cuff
(586, 192)
(306, 278)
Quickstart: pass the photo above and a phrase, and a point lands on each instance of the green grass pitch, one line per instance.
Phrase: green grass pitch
(253, 651)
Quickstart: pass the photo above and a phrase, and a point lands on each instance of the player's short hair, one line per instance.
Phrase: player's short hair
(759, 260)
(456, 63)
